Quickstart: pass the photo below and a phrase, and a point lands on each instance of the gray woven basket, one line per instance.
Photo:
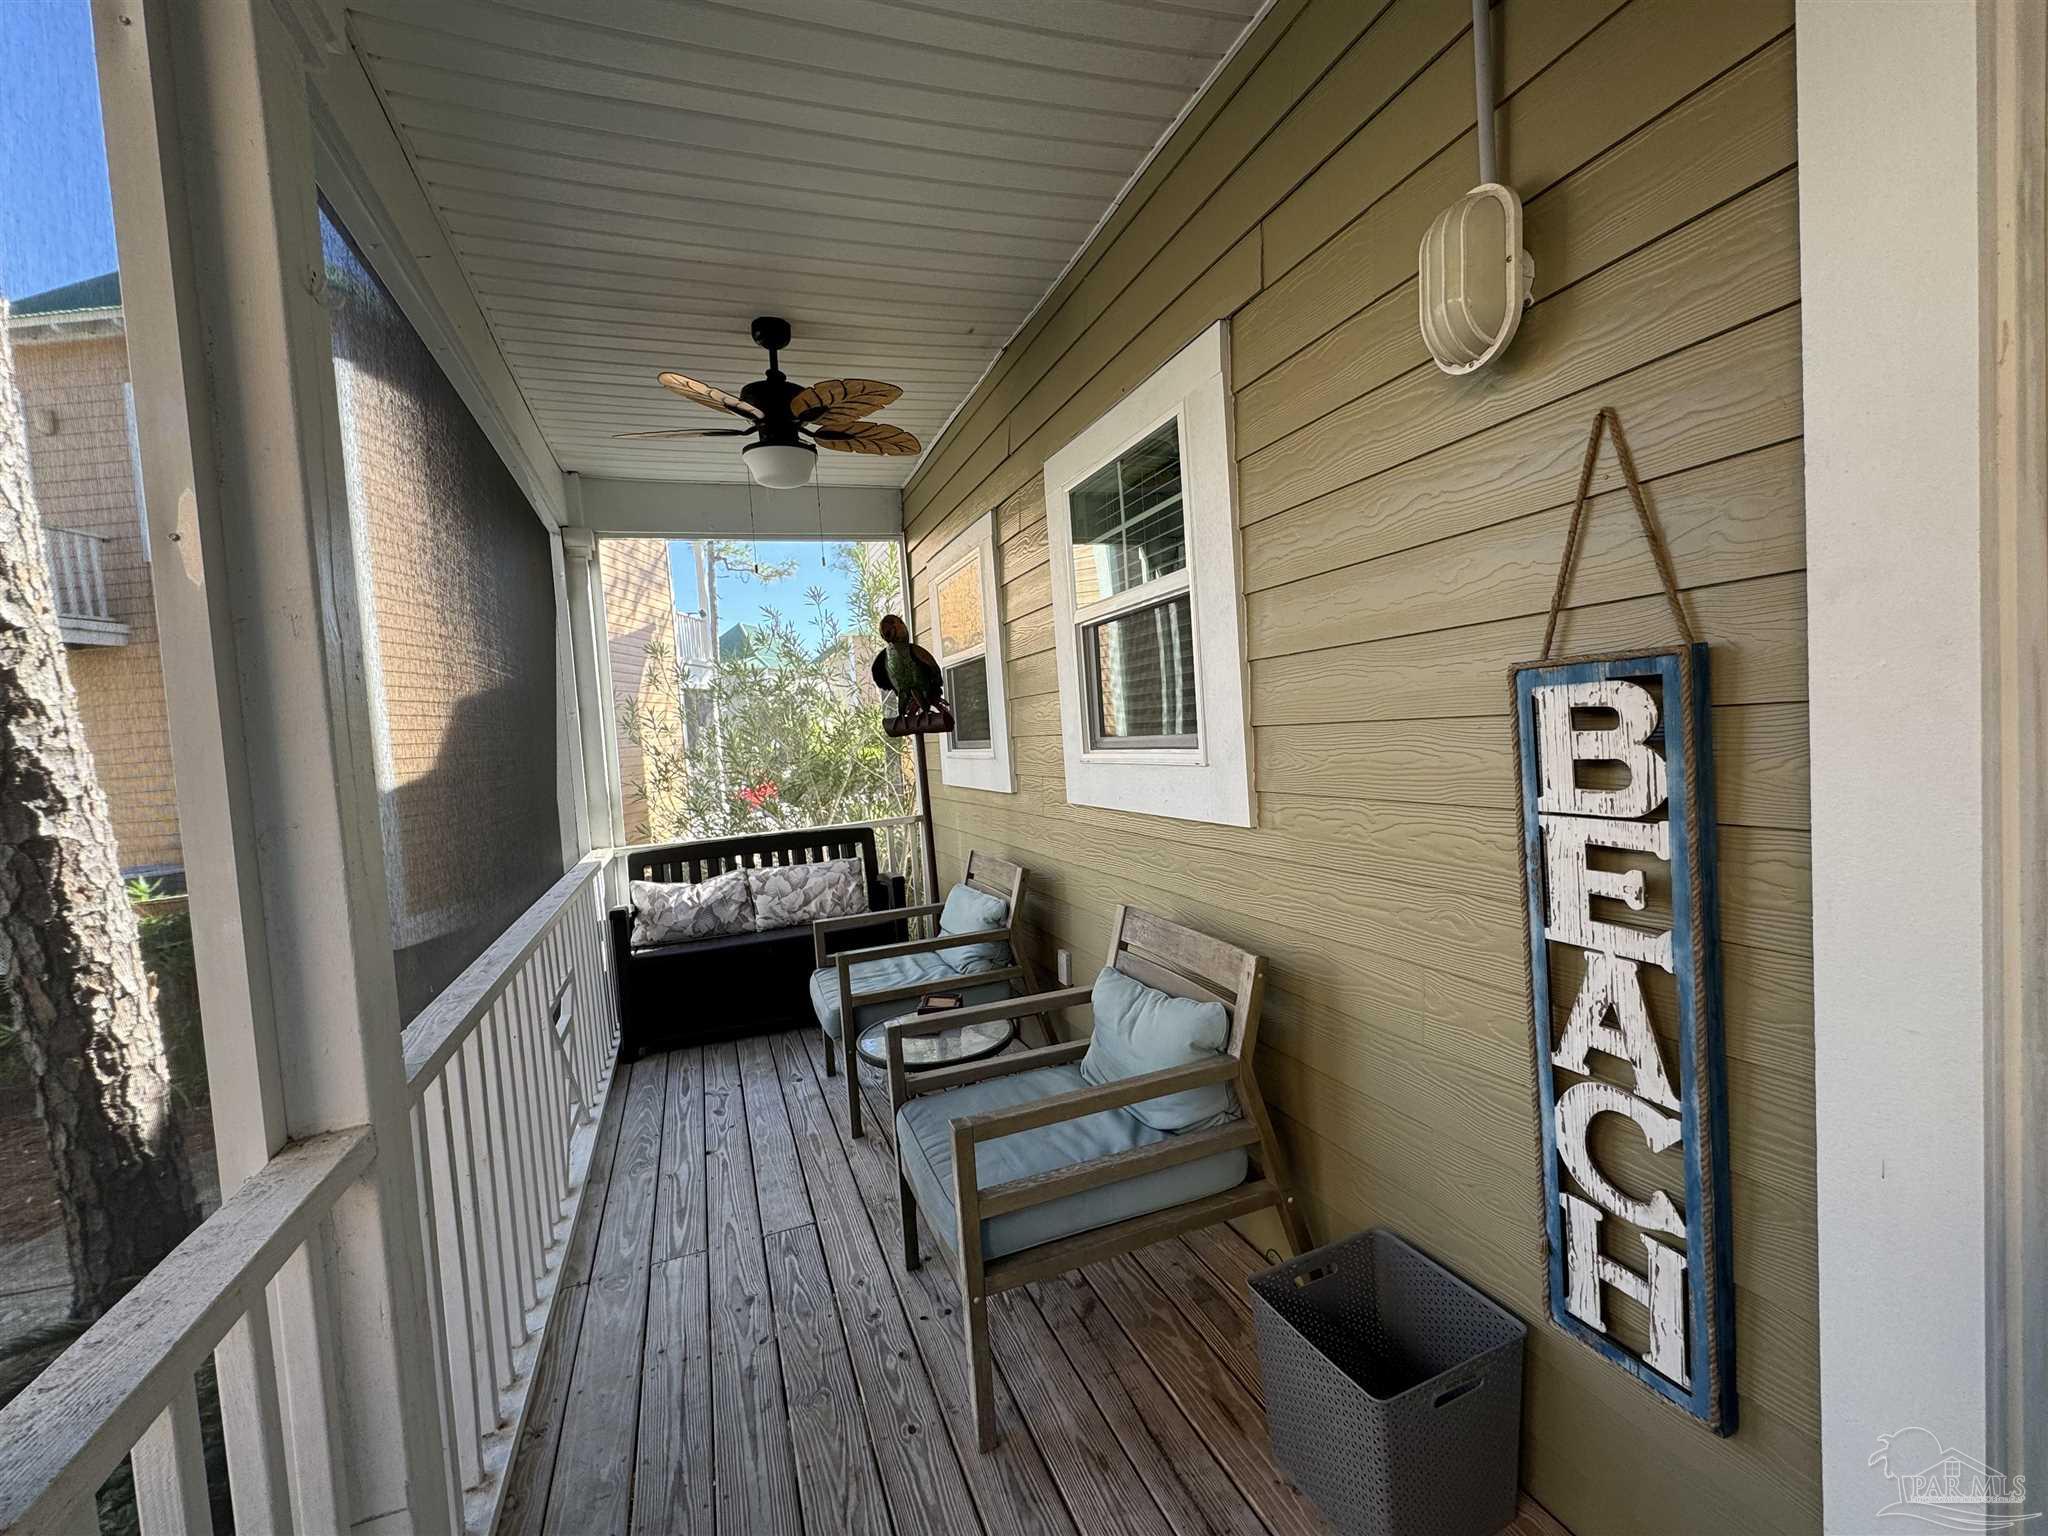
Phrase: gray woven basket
(1393, 1389)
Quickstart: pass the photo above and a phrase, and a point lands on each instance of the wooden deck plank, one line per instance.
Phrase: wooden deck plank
(1230, 1256)
(532, 1470)
(1229, 1419)
(577, 1257)
(592, 1489)
(1103, 1490)
(836, 1473)
(778, 1181)
(921, 1473)
(753, 1467)
(679, 1189)
(624, 1239)
(672, 1490)
(1203, 1300)
(1012, 1487)
(1189, 1485)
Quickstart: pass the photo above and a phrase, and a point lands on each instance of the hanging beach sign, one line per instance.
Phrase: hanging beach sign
(1617, 815)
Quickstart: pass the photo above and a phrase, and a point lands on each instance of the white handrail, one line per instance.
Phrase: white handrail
(132, 1371)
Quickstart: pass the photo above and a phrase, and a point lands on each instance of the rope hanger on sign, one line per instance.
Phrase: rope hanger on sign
(1609, 421)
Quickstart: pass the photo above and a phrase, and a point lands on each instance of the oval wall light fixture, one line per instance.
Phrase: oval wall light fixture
(1473, 279)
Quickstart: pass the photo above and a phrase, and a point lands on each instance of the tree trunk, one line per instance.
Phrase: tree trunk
(71, 974)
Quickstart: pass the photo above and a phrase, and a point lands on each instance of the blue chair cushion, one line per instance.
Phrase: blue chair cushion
(1139, 1029)
(894, 971)
(924, 1136)
(970, 911)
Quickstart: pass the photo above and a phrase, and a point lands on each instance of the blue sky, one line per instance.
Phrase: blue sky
(56, 222)
(742, 598)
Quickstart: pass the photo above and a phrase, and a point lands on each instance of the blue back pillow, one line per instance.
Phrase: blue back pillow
(970, 911)
(1139, 1029)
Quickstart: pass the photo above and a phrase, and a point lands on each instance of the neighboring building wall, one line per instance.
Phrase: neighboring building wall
(1401, 532)
(84, 480)
(639, 609)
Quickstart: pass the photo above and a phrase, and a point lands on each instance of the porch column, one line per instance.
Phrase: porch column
(593, 684)
(234, 392)
(1921, 149)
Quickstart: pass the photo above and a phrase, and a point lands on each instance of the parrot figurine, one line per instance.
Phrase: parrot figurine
(907, 669)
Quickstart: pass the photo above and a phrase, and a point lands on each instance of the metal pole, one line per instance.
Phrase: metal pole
(1482, 83)
(924, 806)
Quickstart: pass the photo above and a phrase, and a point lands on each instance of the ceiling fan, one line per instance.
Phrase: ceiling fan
(789, 420)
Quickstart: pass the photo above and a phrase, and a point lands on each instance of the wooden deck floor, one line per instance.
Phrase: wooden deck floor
(737, 1353)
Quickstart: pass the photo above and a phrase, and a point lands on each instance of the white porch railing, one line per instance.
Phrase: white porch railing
(78, 587)
(506, 1068)
(78, 576)
(899, 849)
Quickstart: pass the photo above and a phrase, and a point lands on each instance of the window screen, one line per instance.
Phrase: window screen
(967, 689)
(459, 638)
(1142, 677)
(961, 626)
(1126, 519)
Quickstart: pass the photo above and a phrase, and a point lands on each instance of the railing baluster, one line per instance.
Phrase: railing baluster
(504, 1182)
(300, 1313)
(519, 1221)
(476, 1322)
(483, 1211)
(541, 1064)
(170, 1470)
(97, 566)
(437, 1314)
(252, 1422)
(527, 1127)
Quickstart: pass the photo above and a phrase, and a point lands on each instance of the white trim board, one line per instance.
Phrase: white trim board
(977, 767)
(1213, 781)
(688, 509)
(1920, 150)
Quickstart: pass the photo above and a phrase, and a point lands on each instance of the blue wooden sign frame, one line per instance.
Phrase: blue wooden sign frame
(1684, 739)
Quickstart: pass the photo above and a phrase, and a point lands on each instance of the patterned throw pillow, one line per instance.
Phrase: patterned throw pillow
(792, 894)
(669, 914)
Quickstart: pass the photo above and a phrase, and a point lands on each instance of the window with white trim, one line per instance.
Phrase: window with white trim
(967, 642)
(1141, 526)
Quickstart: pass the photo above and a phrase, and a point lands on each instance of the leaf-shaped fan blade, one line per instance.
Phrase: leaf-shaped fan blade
(693, 432)
(708, 395)
(870, 437)
(835, 402)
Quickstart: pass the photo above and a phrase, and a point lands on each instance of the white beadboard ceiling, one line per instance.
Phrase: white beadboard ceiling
(627, 183)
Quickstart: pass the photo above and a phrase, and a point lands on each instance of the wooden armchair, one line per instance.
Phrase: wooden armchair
(992, 877)
(1169, 958)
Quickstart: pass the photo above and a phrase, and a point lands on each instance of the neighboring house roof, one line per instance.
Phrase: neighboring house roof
(90, 307)
(102, 292)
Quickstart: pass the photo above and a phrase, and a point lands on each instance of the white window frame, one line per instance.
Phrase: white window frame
(1211, 781)
(983, 767)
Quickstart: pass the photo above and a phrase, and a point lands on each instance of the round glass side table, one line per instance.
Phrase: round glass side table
(948, 1048)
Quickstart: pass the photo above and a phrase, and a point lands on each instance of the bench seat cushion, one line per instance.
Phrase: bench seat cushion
(925, 1137)
(895, 971)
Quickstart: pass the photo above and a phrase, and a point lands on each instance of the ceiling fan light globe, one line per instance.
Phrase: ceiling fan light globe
(780, 466)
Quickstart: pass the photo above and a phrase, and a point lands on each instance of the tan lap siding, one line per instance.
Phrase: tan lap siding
(1400, 537)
